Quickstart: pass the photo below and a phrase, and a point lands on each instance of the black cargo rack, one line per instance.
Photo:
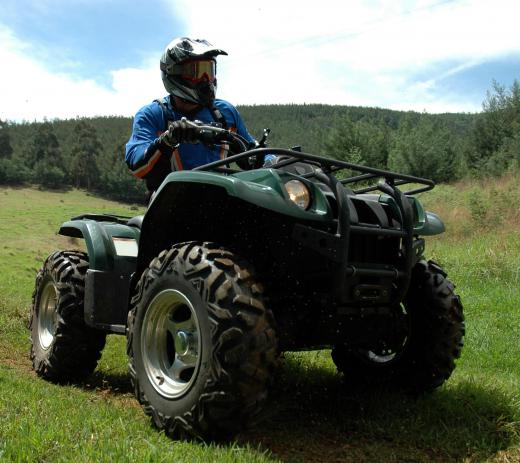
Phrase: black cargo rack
(328, 165)
(388, 184)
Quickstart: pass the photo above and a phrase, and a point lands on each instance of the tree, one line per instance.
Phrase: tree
(116, 179)
(495, 134)
(44, 157)
(425, 150)
(5, 141)
(14, 172)
(85, 149)
(49, 176)
(359, 142)
(44, 146)
(345, 142)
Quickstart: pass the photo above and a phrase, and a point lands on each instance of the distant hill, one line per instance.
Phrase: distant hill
(89, 152)
(311, 125)
(306, 125)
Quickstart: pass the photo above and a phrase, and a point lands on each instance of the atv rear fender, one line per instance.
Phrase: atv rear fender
(112, 252)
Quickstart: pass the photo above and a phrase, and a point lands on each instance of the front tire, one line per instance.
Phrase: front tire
(63, 347)
(434, 341)
(201, 343)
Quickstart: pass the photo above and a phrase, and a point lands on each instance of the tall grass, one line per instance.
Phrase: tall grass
(313, 417)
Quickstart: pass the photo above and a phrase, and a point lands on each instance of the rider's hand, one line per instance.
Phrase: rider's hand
(183, 131)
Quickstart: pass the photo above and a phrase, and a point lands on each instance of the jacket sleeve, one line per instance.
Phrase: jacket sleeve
(142, 150)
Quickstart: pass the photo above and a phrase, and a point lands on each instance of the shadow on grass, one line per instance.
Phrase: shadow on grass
(313, 416)
(108, 383)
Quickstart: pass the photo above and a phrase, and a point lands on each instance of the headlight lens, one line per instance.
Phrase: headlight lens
(298, 193)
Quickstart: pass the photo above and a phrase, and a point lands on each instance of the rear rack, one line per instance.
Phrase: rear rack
(383, 180)
(120, 219)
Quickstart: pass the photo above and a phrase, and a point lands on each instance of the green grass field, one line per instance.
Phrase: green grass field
(474, 417)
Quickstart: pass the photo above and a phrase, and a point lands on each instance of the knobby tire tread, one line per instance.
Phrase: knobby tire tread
(243, 338)
(76, 348)
(436, 338)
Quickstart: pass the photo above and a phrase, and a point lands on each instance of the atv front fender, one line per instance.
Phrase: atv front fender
(237, 210)
(431, 225)
(259, 187)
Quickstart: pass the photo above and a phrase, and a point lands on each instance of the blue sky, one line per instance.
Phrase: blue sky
(88, 39)
(62, 59)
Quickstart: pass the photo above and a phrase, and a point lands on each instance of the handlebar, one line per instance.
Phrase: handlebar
(212, 133)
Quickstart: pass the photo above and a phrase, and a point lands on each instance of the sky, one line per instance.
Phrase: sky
(68, 58)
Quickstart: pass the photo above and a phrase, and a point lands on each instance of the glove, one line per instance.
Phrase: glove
(183, 131)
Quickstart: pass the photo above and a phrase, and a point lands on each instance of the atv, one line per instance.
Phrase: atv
(229, 267)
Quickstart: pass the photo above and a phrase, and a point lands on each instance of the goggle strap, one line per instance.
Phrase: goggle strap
(165, 67)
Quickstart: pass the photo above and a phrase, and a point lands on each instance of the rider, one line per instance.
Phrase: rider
(161, 142)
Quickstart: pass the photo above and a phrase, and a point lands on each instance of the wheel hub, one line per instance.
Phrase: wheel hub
(183, 343)
(170, 343)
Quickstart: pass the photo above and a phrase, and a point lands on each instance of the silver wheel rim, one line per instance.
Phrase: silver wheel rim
(382, 357)
(170, 343)
(386, 354)
(47, 315)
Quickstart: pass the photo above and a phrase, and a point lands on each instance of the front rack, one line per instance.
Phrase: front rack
(382, 180)
(327, 165)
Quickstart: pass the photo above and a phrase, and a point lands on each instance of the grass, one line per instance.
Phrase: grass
(474, 417)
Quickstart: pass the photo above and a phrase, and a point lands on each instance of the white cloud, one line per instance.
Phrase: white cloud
(332, 51)
(355, 52)
(30, 91)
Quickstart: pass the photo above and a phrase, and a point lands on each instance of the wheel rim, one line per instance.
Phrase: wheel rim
(388, 352)
(171, 344)
(380, 357)
(47, 315)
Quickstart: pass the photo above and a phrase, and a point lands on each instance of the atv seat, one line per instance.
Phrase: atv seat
(136, 221)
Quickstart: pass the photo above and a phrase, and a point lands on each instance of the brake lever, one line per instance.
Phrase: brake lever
(263, 141)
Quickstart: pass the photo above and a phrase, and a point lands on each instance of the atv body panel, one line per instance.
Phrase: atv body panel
(346, 256)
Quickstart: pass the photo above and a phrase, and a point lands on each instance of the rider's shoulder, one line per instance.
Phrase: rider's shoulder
(154, 107)
(228, 110)
(223, 104)
(153, 110)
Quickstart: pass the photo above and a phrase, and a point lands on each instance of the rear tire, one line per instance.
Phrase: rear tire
(201, 343)
(435, 339)
(63, 347)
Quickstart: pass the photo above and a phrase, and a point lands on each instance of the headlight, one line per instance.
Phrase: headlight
(298, 193)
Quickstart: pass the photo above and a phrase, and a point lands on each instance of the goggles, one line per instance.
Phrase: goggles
(194, 71)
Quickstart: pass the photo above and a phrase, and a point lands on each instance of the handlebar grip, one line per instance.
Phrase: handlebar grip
(212, 134)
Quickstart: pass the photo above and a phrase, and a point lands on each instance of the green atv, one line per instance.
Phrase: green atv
(229, 267)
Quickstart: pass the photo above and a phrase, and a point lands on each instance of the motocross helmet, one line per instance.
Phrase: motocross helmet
(188, 70)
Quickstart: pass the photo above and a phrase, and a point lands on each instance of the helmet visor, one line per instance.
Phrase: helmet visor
(195, 71)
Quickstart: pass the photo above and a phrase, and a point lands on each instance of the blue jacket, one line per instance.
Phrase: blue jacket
(153, 162)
